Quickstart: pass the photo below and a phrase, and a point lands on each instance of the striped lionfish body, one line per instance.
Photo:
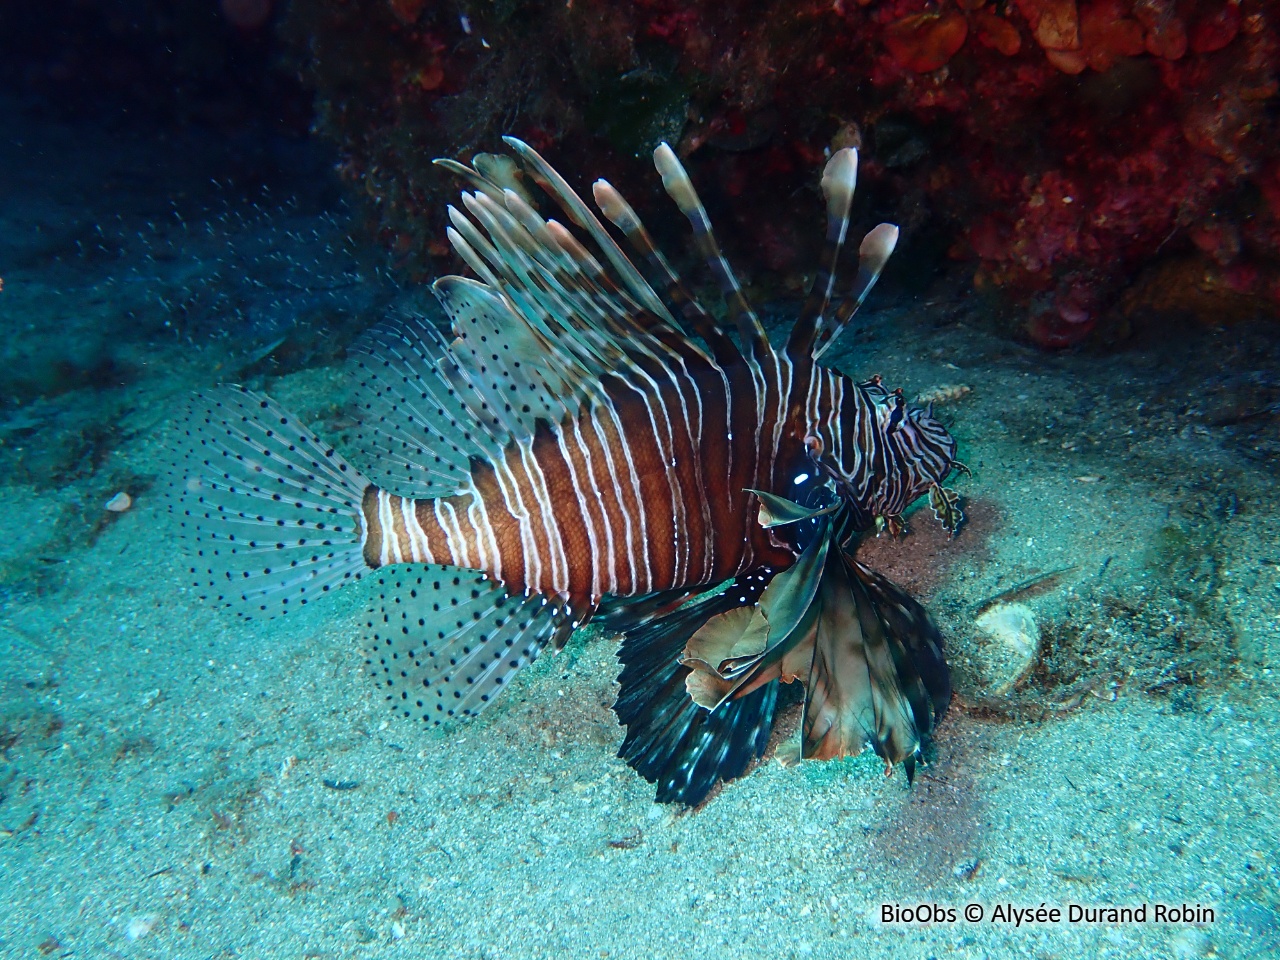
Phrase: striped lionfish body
(581, 447)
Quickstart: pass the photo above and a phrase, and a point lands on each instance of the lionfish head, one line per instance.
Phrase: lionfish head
(864, 442)
(887, 454)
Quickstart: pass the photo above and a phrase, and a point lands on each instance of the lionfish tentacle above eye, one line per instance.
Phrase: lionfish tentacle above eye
(584, 438)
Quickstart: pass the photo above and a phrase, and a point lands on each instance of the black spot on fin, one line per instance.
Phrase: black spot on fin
(671, 741)
(271, 512)
(443, 641)
(416, 435)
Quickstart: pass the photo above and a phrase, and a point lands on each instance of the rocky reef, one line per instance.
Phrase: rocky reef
(1090, 163)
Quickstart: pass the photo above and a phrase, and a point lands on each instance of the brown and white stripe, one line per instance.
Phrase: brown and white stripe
(644, 488)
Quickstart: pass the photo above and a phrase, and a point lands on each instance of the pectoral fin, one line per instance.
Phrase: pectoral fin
(733, 654)
(776, 511)
(737, 635)
(877, 676)
(684, 748)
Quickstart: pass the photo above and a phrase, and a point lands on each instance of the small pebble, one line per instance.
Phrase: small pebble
(140, 926)
(120, 502)
(966, 869)
(1008, 642)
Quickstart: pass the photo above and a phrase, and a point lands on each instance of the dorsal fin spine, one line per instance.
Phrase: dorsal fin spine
(473, 177)
(873, 253)
(550, 280)
(499, 265)
(508, 235)
(466, 250)
(839, 180)
(583, 217)
(675, 180)
(519, 268)
(548, 274)
(539, 268)
(538, 228)
(623, 216)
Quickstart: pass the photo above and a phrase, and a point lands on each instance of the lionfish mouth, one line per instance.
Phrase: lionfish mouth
(592, 442)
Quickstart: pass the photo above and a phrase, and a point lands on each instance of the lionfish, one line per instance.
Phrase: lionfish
(581, 447)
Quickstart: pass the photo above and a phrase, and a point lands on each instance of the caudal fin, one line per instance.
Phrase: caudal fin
(271, 513)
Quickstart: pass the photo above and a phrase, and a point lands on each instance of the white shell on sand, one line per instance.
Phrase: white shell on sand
(140, 926)
(120, 502)
(1008, 641)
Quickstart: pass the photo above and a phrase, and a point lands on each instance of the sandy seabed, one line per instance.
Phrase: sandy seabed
(178, 783)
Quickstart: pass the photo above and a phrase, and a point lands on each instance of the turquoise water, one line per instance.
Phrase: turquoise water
(177, 782)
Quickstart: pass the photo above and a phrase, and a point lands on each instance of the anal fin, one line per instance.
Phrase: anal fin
(443, 642)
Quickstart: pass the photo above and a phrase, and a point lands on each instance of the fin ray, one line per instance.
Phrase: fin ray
(671, 741)
(415, 432)
(443, 642)
(873, 253)
(620, 213)
(839, 180)
(274, 512)
(675, 180)
(580, 214)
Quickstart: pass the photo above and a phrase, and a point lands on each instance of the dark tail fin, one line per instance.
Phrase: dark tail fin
(271, 512)
(671, 741)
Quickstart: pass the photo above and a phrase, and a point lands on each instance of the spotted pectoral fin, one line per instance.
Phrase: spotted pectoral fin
(443, 642)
